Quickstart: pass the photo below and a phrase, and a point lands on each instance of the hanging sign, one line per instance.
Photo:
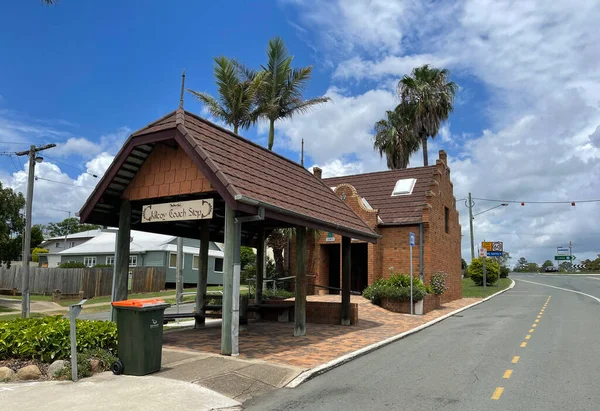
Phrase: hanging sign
(177, 211)
(330, 238)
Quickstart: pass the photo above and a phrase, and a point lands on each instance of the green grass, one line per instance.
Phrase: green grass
(32, 297)
(470, 290)
(6, 309)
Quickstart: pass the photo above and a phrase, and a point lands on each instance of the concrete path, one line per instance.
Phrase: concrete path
(109, 392)
(235, 378)
(36, 306)
(531, 348)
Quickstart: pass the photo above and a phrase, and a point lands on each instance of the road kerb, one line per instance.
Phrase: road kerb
(323, 368)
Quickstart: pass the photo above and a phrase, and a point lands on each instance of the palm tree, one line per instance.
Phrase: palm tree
(280, 93)
(236, 103)
(395, 137)
(429, 90)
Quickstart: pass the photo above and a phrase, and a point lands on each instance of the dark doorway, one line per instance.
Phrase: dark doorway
(333, 252)
(360, 267)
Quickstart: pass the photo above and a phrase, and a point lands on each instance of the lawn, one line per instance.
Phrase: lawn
(470, 290)
(5, 309)
(18, 315)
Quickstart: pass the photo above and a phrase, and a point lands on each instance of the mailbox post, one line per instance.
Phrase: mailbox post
(74, 311)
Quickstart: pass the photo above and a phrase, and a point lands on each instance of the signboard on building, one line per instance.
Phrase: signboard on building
(330, 238)
(178, 211)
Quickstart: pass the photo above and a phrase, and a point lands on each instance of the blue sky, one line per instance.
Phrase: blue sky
(525, 127)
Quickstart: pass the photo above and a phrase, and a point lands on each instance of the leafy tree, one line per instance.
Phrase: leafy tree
(546, 264)
(532, 268)
(395, 137)
(565, 266)
(69, 226)
(236, 103)
(521, 264)
(280, 93)
(37, 237)
(247, 256)
(463, 263)
(503, 260)
(432, 95)
(476, 271)
(11, 224)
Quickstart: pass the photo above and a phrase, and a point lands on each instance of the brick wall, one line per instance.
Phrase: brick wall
(166, 172)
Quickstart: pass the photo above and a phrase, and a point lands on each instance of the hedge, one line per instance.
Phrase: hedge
(491, 271)
(47, 338)
(396, 288)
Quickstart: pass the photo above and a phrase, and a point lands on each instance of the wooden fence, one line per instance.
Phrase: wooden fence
(93, 282)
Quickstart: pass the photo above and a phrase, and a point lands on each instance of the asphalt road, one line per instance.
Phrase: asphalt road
(105, 315)
(480, 359)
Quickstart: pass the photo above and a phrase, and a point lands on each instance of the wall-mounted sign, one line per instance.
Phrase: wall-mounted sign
(330, 238)
(176, 211)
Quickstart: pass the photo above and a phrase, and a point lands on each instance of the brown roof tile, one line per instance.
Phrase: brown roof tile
(377, 189)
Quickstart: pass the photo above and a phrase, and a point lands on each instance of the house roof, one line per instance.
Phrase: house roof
(377, 189)
(104, 243)
(83, 234)
(246, 175)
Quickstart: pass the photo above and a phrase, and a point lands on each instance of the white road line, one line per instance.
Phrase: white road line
(563, 289)
(593, 278)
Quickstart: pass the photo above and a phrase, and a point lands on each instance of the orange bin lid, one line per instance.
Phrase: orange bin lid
(138, 302)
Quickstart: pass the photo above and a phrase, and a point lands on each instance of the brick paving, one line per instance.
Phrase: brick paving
(275, 342)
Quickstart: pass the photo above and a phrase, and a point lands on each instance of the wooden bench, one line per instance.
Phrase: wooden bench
(211, 307)
(282, 310)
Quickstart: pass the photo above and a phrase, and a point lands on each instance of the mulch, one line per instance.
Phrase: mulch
(16, 364)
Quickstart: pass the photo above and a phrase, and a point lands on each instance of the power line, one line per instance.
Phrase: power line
(14, 143)
(72, 166)
(63, 183)
(537, 202)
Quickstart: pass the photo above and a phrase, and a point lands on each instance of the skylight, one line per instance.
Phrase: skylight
(404, 187)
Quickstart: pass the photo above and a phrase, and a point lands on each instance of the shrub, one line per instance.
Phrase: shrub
(465, 272)
(35, 254)
(476, 271)
(438, 282)
(504, 271)
(396, 288)
(279, 293)
(72, 264)
(47, 338)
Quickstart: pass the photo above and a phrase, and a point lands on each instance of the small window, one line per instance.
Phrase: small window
(404, 187)
(110, 260)
(447, 219)
(218, 265)
(195, 262)
(57, 245)
(72, 244)
(173, 261)
(133, 260)
(89, 261)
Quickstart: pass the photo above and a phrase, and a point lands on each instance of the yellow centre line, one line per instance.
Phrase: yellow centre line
(532, 330)
(515, 359)
(539, 316)
(537, 321)
(507, 374)
(534, 325)
(497, 393)
(523, 344)
(527, 336)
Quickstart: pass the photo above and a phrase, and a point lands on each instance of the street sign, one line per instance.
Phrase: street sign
(482, 252)
(330, 238)
(488, 245)
(564, 257)
(494, 254)
(412, 239)
(562, 250)
(579, 266)
(497, 246)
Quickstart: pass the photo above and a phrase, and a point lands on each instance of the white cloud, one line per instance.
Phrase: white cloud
(540, 65)
(77, 146)
(337, 167)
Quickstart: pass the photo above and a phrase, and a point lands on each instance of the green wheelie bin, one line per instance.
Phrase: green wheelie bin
(140, 329)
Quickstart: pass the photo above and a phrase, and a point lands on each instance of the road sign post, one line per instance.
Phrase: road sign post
(483, 255)
(412, 244)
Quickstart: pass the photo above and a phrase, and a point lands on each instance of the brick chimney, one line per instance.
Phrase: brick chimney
(443, 157)
(317, 172)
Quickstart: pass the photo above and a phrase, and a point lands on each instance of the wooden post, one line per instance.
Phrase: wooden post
(227, 309)
(260, 265)
(300, 303)
(202, 272)
(121, 269)
(346, 279)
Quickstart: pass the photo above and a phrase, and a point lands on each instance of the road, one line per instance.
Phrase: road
(494, 356)
(105, 315)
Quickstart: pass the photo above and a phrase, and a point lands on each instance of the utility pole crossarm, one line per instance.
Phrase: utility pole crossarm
(35, 149)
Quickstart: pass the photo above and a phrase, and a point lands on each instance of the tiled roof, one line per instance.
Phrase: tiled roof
(260, 174)
(377, 189)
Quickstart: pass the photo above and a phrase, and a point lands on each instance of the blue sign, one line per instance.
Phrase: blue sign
(494, 253)
(412, 239)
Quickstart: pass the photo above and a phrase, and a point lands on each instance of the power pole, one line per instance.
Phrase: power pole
(33, 150)
(471, 227)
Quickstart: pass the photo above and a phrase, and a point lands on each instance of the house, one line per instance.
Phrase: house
(393, 203)
(61, 243)
(146, 250)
